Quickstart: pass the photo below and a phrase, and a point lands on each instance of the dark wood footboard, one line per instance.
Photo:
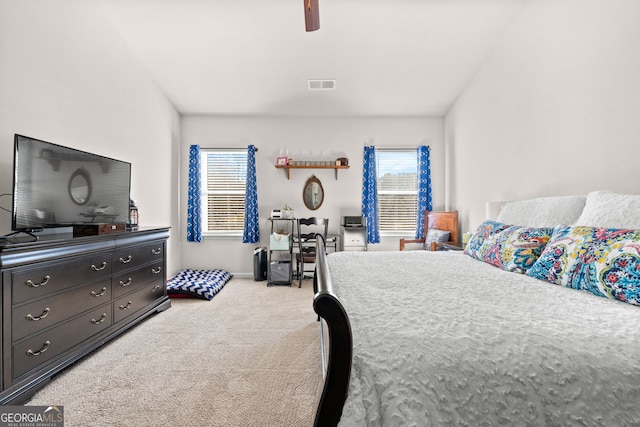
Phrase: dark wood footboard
(340, 346)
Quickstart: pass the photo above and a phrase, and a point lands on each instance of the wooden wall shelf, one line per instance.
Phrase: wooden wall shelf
(288, 168)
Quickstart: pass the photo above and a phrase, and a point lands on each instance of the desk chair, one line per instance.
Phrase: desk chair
(306, 237)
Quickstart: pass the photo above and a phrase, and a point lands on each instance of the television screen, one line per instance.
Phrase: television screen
(56, 186)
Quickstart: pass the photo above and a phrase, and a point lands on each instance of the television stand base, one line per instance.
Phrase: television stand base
(28, 232)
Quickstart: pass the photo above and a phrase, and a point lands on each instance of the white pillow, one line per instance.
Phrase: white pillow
(605, 209)
(543, 211)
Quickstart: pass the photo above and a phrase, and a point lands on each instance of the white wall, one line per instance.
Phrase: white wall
(553, 111)
(306, 139)
(66, 76)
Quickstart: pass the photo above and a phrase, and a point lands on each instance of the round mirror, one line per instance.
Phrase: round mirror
(313, 193)
(80, 186)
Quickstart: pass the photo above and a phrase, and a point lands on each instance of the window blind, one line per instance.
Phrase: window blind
(224, 189)
(397, 189)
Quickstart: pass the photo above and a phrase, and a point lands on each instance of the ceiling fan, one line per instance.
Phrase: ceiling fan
(311, 15)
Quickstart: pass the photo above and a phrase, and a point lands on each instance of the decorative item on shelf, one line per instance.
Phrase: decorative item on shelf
(282, 161)
(287, 212)
(342, 161)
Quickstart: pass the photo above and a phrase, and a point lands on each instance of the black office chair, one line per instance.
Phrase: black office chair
(306, 239)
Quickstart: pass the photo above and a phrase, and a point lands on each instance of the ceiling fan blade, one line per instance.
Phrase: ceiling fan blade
(311, 15)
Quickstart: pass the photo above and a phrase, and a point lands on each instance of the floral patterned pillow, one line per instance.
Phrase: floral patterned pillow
(511, 248)
(482, 234)
(603, 261)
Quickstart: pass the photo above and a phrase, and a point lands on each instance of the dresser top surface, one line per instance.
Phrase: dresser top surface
(21, 249)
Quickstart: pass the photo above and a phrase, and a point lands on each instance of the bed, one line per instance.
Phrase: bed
(534, 323)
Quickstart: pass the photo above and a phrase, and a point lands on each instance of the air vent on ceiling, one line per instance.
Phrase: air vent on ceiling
(324, 84)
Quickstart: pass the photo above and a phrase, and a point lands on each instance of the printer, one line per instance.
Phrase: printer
(353, 221)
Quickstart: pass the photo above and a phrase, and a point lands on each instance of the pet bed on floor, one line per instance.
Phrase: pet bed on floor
(204, 284)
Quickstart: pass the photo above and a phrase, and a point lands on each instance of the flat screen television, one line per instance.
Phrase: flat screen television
(56, 186)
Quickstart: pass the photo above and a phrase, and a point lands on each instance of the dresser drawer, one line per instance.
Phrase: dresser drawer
(128, 281)
(46, 312)
(129, 304)
(49, 277)
(127, 258)
(42, 347)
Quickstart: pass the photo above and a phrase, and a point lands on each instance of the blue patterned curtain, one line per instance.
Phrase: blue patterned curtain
(251, 232)
(194, 230)
(424, 187)
(370, 195)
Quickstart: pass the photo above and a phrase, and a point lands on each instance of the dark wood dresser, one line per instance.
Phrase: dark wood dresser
(64, 296)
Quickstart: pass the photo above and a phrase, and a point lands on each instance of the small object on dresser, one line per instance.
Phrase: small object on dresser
(80, 230)
(134, 216)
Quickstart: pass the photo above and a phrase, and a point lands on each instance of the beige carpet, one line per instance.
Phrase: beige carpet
(249, 357)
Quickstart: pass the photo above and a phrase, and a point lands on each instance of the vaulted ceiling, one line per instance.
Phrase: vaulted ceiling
(254, 57)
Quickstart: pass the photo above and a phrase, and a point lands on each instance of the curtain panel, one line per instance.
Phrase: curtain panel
(370, 195)
(251, 233)
(194, 207)
(424, 188)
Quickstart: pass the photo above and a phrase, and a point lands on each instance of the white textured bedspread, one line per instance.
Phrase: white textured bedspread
(443, 339)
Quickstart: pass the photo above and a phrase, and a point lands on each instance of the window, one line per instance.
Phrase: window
(397, 175)
(224, 175)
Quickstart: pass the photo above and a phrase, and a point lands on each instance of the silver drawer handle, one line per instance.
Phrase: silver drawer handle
(45, 280)
(44, 348)
(127, 283)
(156, 270)
(102, 292)
(100, 320)
(102, 267)
(156, 288)
(124, 307)
(44, 314)
(125, 261)
(156, 251)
